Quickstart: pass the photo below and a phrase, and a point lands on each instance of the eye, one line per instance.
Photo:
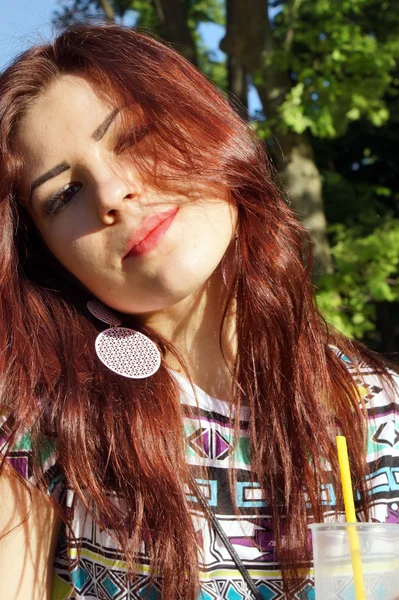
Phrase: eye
(62, 198)
(131, 138)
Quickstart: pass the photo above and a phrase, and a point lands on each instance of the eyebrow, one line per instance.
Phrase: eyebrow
(97, 135)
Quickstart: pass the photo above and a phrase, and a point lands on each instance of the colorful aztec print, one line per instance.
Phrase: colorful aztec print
(102, 574)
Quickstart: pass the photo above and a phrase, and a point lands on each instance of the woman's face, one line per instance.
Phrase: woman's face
(137, 249)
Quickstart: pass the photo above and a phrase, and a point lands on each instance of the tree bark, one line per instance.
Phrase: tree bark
(173, 17)
(250, 38)
(237, 84)
(237, 77)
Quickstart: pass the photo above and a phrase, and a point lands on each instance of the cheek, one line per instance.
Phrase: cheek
(80, 256)
(68, 239)
(214, 228)
(199, 243)
(182, 264)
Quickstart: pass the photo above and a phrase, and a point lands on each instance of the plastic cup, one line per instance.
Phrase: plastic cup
(338, 561)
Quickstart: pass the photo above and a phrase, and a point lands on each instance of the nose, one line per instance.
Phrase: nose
(112, 190)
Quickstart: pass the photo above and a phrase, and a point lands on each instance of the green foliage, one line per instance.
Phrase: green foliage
(206, 11)
(146, 14)
(361, 195)
(340, 62)
(366, 272)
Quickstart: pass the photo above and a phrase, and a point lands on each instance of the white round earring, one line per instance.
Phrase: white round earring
(124, 351)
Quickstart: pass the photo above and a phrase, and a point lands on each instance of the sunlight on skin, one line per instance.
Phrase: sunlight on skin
(176, 286)
(31, 525)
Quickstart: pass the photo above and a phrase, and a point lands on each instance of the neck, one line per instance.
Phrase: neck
(193, 327)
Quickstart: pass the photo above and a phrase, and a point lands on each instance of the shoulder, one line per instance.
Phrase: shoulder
(29, 528)
(31, 455)
(380, 393)
(31, 486)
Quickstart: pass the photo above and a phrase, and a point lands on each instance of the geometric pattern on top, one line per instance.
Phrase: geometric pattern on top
(102, 571)
(379, 586)
(208, 443)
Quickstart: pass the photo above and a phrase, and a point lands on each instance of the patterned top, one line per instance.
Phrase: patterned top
(102, 574)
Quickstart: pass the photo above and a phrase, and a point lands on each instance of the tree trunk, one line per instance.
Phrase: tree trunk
(237, 83)
(249, 37)
(300, 176)
(237, 78)
(173, 17)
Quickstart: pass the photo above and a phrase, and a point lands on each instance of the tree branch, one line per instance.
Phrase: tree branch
(293, 10)
(108, 10)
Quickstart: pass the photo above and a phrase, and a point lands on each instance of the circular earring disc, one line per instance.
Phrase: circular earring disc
(128, 352)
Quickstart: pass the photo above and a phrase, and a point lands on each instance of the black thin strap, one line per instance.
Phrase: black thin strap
(239, 564)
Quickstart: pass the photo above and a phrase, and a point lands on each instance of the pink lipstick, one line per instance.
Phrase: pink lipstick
(149, 233)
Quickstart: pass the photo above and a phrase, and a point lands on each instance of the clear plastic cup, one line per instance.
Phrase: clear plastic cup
(349, 557)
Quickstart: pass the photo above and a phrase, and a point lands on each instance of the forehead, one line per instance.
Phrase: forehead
(59, 119)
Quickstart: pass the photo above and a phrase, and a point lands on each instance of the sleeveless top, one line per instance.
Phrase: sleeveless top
(101, 573)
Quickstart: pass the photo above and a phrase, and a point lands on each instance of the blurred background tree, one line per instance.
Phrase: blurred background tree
(327, 75)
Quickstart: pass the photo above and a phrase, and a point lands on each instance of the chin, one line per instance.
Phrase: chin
(177, 285)
(160, 298)
(163, 302)
(162, 286)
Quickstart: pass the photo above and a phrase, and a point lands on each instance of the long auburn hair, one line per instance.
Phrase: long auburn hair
(127, 436)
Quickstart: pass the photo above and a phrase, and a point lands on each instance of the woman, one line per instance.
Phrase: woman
(132, 194)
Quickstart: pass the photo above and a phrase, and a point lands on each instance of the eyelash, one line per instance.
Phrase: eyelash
(134, 136)
(55, 204)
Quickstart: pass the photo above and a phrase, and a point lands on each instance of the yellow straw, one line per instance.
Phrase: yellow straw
(349, 502)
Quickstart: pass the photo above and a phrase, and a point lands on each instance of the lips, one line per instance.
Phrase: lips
(149, 232)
